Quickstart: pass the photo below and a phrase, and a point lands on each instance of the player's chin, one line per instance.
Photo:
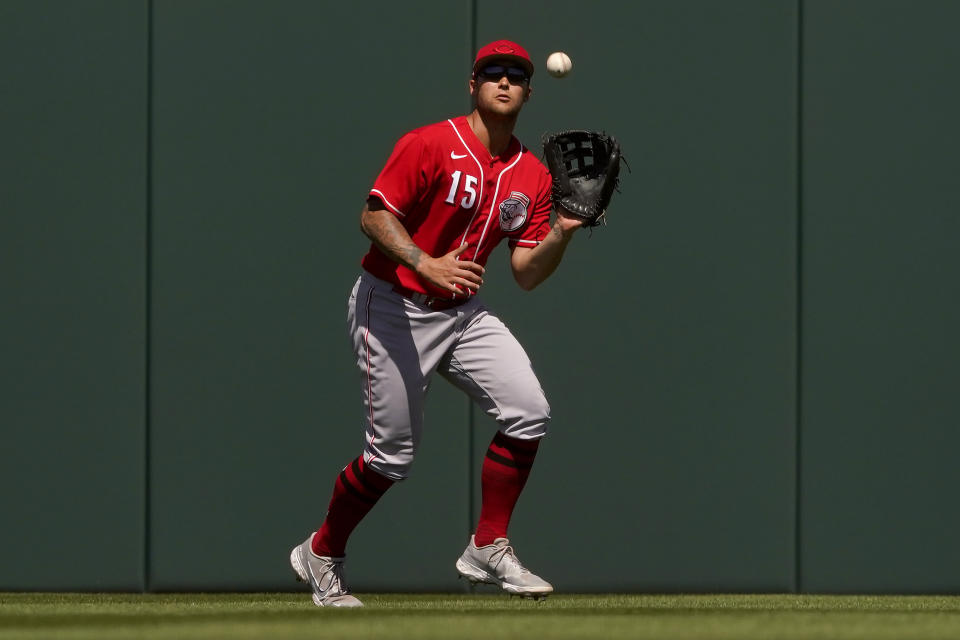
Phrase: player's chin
(504, 108)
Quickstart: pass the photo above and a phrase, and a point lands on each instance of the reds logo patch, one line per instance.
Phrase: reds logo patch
(513, 211)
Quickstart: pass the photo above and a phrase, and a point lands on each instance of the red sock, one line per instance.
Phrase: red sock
(505, 471)
(357, 489)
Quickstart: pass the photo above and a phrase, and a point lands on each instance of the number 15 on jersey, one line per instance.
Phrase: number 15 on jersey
(469, 186)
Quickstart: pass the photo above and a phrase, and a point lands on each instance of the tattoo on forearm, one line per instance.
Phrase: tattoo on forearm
(412, 255)
(390, 236)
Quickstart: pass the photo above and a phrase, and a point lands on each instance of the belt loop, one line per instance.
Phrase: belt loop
(432, 302)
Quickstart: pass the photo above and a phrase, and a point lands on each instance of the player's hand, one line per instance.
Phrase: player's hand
(450, 273)
(567, 223)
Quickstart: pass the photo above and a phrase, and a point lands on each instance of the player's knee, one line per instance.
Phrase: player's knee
(530, 423)
(393, 463)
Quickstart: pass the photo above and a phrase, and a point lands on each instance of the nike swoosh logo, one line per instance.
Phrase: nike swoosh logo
(454, 156)
(321, 591)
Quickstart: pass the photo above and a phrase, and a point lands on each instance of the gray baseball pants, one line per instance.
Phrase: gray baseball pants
(399, 344)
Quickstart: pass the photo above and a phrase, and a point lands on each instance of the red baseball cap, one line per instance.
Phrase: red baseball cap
(504, 49)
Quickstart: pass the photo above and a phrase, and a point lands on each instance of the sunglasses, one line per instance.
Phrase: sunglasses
(515, 75)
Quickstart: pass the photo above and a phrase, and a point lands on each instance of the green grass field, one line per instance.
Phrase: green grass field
(407, 616)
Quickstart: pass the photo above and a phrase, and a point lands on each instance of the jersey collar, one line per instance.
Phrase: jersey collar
(480, 151)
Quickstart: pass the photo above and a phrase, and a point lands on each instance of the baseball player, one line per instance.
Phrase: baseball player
(449, 193)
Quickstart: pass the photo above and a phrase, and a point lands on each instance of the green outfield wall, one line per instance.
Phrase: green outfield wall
(752, 369)
(73, 294)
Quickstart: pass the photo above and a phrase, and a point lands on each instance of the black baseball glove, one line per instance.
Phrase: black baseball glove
(585, 166)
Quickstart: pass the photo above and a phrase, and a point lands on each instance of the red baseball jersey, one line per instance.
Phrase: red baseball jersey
(446, 190)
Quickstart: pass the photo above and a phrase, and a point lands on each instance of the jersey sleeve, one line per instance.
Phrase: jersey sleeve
(539, 226)
(402, 180)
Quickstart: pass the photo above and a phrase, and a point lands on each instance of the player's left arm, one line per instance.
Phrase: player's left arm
(533, 265)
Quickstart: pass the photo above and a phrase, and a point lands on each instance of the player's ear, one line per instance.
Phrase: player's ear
(526, 96)
(473, 94)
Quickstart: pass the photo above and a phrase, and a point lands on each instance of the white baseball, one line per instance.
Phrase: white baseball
(559, 64)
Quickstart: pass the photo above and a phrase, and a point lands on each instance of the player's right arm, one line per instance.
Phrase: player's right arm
(447, 272)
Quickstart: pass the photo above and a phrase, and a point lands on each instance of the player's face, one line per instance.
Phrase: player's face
(500, 87)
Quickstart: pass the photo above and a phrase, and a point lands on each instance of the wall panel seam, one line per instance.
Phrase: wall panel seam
(471, 409)
(148, 268)
(798, 308)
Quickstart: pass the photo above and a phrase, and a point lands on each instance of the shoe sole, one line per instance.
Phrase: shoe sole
(477, 575)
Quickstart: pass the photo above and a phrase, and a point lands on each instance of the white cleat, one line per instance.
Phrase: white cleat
(497, 564)
(324, 575)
